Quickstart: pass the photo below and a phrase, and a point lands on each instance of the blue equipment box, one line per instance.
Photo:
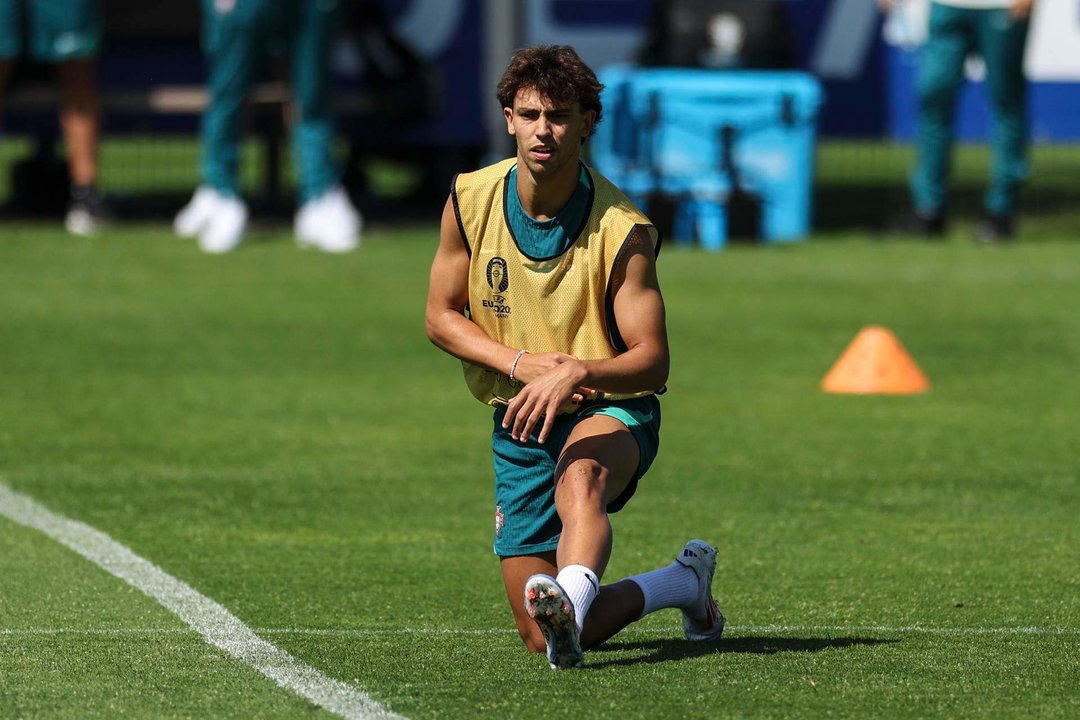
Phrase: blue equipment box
(700, 137)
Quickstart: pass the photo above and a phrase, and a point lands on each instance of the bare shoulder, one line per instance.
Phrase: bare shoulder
(636, 262)
(449, 228)
(641, 240)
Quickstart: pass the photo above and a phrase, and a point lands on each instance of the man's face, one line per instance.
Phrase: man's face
(548, 135)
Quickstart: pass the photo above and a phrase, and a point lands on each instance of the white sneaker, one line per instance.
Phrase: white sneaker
(194, 217)
(225, 228)
(703, 620)
(547, 604)
(87, 213)
(329, 223)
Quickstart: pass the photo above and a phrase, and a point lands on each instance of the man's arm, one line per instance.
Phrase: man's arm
(448, 294)
(639, 313)
(449, 329)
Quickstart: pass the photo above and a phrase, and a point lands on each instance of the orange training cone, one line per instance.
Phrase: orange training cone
(875, 363)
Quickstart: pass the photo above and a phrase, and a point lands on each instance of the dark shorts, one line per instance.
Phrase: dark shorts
(55, 30)
(525, 519)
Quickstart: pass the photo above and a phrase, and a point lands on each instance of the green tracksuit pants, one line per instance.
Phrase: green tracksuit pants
(999, 39)
(237, 37)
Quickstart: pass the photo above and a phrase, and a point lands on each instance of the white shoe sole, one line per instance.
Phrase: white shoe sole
(547, 604)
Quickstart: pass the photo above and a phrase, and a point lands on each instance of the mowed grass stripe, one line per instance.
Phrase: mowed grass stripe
(217, 625)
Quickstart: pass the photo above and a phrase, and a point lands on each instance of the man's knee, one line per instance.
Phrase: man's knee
(582, 484)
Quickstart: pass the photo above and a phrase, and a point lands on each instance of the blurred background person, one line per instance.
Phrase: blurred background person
(997, 31)
(67, 34)
(237, 37)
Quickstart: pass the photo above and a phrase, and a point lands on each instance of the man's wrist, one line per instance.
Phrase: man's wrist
(513, 365)
(586, 373)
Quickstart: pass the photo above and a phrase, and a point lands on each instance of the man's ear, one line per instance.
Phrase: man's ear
(508, 113)
(588, 123)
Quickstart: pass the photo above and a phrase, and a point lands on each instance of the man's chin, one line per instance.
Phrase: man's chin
(542, 167)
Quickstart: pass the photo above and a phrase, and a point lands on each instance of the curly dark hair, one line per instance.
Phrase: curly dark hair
(557, 73)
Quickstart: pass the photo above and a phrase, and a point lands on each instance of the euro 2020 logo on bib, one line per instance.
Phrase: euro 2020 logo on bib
(497, 278)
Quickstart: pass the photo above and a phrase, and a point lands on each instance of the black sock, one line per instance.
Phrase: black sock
(81, 193)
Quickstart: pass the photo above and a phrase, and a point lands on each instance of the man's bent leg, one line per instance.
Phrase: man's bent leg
(516, 571)
(616, 606)
(685, 584)
(597, 464)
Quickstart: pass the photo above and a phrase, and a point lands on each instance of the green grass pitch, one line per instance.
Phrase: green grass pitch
(273, 428)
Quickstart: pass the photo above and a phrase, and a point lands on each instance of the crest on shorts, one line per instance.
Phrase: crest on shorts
(497, 278)
(500, 521)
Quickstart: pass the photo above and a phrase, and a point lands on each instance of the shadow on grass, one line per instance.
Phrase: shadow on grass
(673, 649)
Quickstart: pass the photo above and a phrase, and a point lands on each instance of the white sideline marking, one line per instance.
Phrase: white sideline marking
(217, 625)
(737, 630)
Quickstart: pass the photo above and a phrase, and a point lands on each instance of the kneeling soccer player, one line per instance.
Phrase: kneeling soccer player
(544, 285)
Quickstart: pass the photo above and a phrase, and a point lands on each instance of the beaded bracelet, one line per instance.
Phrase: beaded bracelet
(513, 365)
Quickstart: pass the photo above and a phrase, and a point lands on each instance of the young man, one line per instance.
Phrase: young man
(237, 36)
(544, 285)
(66, 33)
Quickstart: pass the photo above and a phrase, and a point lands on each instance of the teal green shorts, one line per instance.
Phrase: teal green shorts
(525, 519)
(55, 30)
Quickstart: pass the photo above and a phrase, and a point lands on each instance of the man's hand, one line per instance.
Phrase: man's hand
(551, 380)
(532, 365)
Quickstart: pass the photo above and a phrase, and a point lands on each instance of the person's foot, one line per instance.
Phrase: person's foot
(703, 620)
(225, 228)
(926, 225)
(329, 223)
(87, 213)
(994, 229)
(195, 216)
(548, 605)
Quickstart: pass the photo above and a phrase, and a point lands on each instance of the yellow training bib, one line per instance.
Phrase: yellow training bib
(559, 304)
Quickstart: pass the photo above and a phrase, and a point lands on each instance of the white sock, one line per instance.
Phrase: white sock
(674, 586)
(582, 585)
